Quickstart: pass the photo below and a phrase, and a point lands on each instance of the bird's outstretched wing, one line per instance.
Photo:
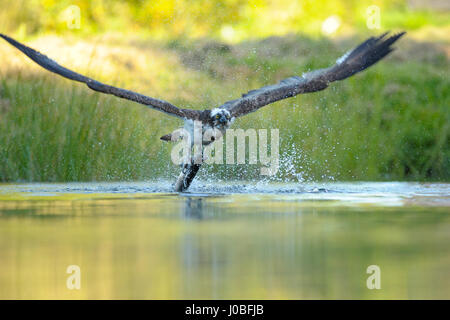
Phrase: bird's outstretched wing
(52, 66)
(356, 60)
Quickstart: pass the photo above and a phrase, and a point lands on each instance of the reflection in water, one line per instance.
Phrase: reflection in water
(198, 251)
(158, 246)
(193, 208)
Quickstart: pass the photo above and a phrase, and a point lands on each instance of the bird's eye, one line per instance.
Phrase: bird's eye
(217, 116)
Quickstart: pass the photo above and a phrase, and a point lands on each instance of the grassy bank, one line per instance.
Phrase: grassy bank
(389, 123)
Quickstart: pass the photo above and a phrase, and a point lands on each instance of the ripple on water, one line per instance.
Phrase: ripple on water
(378, 193)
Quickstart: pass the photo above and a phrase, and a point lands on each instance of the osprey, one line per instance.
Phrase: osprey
(363, 56)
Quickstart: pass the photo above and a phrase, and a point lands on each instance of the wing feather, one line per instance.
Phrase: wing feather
(54, 67)
(363, 56)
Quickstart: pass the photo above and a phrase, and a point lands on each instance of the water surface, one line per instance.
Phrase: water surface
(222, 241)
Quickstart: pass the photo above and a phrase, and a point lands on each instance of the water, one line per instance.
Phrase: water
(221, 241)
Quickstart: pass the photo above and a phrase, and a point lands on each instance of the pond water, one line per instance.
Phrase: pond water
(222, 241)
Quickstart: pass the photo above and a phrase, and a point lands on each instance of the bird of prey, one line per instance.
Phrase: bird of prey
(363, 56)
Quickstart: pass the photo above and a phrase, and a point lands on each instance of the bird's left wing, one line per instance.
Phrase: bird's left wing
(356, 60)
(52, 66)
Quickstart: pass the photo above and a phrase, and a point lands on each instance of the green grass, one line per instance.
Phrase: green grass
(388, 123)
(212, 18)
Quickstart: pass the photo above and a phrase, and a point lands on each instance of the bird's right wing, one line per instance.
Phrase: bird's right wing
(54, 67)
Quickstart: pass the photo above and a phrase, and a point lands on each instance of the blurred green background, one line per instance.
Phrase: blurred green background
(391, 122)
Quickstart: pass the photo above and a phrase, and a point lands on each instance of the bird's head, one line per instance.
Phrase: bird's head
(221, 118)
